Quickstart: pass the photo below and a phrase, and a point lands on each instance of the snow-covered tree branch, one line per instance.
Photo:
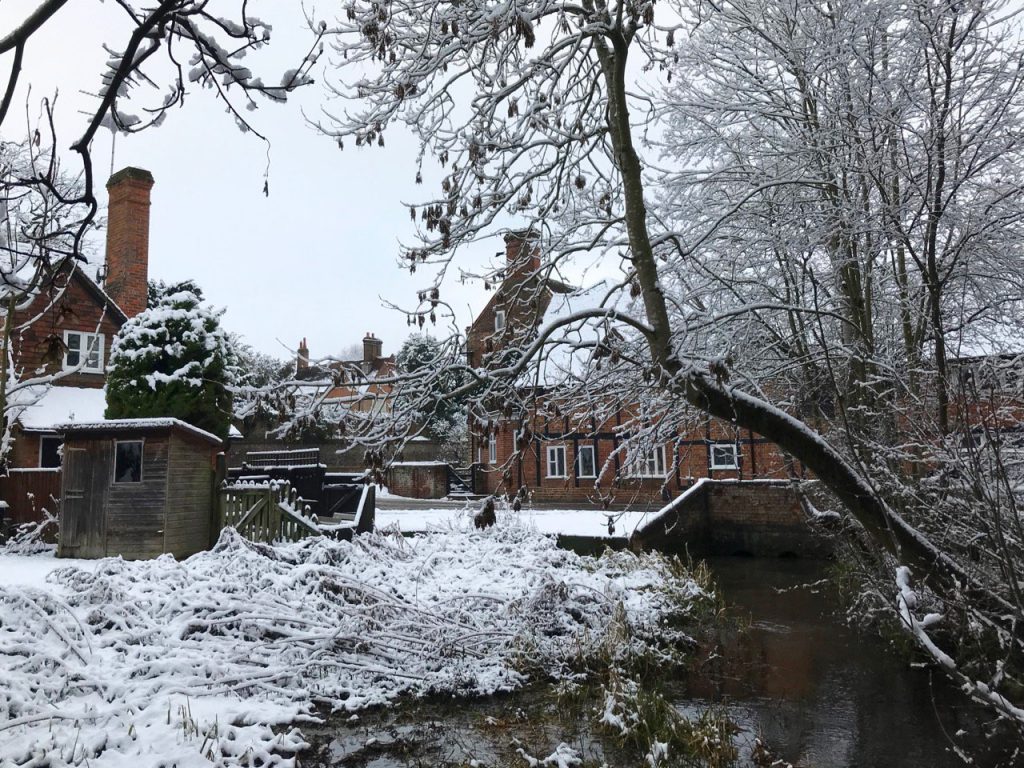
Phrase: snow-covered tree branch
(800, 219)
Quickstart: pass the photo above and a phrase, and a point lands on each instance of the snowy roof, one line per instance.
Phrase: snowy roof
(46, 408)
(119, 425)
(42, 408)
(985, 340)
(569, 350)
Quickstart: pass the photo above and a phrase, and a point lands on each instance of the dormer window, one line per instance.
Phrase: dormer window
(499, 320)
(85, 350)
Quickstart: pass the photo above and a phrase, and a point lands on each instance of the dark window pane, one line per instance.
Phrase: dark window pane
(128, 462)
(74, 350)
(586, 461)
(49, 452)
(723, 456)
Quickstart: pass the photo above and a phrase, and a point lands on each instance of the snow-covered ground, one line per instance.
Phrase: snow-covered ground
(567, 522)
(116, 664)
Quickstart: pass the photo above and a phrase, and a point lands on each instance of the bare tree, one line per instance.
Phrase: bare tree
(839, 191)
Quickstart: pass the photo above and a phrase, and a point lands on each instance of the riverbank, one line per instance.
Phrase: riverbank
(798, 686)
(225, 656)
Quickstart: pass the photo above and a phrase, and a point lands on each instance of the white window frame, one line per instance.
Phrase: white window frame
(492, 449)
(651, 463)
(499, 320)
(715, 464)
(593, 460)
(142, 462)
(553, 451)
(86, 340)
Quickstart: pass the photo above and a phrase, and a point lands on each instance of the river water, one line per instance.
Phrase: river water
(786, 670)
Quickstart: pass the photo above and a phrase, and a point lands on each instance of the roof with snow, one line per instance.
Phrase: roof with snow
(45, 408)
(41, 408)
(569, 350)
(137, 425)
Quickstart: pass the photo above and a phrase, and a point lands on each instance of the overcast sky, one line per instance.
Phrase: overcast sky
(313, 259)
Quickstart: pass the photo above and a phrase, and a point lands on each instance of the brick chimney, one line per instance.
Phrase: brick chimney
(373, 348)
(522, 252)
(128, 238)
(302, 361)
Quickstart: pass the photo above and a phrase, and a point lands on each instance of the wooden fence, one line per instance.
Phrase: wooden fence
(266, 512)
(27, 492)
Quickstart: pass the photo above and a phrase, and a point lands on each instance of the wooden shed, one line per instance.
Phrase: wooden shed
(136, 488)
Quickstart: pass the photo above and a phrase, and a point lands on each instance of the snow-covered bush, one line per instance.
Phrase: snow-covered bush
(173, 359)
(159, 662)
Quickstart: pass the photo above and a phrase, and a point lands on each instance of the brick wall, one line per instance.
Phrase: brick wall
(128, 238)
(27, 494)
(66, 306)
(762, 518)
(418, 481)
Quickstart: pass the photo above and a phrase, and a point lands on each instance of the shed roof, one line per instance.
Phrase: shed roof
(129, 426)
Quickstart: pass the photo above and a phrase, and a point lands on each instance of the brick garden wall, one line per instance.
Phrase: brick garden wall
(762, 518)
(427, 480)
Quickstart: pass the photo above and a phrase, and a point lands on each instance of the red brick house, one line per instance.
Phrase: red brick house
(361, 384)
(574, 457)
(330, 389)
(67, 329)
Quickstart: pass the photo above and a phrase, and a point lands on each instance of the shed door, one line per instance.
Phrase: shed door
(82, 528)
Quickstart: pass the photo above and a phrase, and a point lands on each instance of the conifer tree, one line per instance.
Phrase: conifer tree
(173, 359)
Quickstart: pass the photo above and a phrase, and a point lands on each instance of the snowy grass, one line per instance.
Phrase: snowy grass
(220, 657)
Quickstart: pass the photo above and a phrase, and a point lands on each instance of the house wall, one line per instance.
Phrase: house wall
(28, 493)
(190, 500)
(128, 238)
(25, 451)
(686, 460)
(68, 306)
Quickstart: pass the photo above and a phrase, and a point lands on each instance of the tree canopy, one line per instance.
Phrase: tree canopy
(443, 416)
(173, 359)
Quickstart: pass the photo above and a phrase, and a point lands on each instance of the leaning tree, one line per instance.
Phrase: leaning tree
(836, 190)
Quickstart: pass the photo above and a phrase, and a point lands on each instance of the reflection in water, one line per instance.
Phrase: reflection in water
(819, 694)
(823, 694)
